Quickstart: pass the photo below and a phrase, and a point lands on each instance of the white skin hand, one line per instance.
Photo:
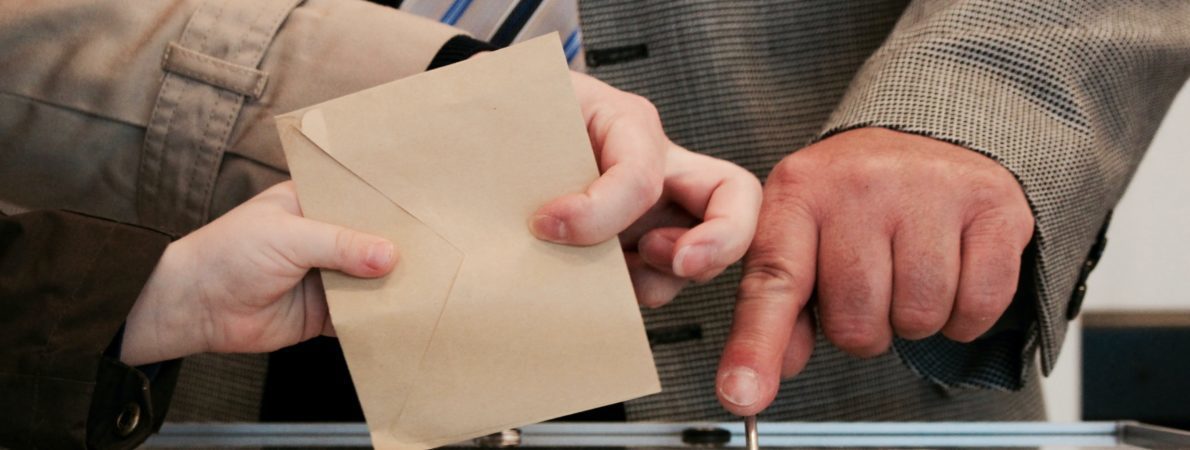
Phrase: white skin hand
(244, 283)
(680, 215)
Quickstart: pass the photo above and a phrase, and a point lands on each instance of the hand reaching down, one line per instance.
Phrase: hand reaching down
(900, 235)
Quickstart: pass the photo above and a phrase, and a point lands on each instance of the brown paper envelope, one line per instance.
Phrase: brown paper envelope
(481, 327)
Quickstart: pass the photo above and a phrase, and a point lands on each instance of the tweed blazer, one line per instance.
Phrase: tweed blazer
(1066, 95)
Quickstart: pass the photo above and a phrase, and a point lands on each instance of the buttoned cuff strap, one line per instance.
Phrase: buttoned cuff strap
(240, 79)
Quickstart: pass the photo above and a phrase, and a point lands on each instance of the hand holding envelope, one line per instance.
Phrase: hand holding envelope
(681, 215)
(481, 327)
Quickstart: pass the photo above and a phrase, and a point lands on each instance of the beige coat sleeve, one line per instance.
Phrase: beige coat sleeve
(1067, 96)
(159, 113)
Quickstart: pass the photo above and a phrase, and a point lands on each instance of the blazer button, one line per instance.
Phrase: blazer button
(128, 419)
(1076, 301)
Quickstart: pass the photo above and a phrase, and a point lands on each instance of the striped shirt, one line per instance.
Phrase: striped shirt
(506, 22)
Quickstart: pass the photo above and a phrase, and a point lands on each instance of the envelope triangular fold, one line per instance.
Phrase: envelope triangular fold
(413, 293)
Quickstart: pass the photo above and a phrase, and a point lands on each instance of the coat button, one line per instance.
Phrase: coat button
(1080, 291)
(128, 419)
(1076, 301)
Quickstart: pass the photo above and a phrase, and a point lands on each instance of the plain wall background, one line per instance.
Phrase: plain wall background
(1146, 265)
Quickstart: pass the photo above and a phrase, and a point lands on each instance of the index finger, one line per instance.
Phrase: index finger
(779, 274)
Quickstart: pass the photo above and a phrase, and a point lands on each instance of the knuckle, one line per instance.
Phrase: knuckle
(790, 171)
(982, 308)
(933, 289)
(997, 281)
(648, 187)
(991, 273)
(750, 178)
(789, 196)
(786, 205)
(1022, 222)
(643, 106)
(913, 319)
(998, 232)
(855, 338)
(992, 190)
(768, 275)
(786, 208)
(867, 177)
(848, 320)
(922, 303)
(994, 180)
(848, 285)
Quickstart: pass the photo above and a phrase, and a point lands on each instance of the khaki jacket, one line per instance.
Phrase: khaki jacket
(1066, 95)
(160, 114)
(67, 281)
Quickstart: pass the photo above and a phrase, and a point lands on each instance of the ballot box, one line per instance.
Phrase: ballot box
(772, 435)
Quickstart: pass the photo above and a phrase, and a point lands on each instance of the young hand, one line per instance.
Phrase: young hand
(680, 215)
(243, 283)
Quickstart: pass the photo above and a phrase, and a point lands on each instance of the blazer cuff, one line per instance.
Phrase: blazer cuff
(1067, 103)
(910, 88)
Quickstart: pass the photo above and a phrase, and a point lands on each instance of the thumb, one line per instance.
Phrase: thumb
(314, 244)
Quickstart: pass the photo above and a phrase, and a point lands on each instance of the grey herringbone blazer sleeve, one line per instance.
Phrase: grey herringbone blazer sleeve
(1066, 95)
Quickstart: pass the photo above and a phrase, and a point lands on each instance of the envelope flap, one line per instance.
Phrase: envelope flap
(450, 145)
(385, 319)
(355, 154)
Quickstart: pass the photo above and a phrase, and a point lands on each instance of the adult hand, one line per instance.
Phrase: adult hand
(243, 282)
(904, 235)
(680, 215)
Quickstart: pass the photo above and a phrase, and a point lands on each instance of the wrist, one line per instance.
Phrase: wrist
(167, 321)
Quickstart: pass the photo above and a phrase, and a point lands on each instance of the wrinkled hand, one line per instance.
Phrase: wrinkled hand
(903, 234)
(680, 215)
(243, 282)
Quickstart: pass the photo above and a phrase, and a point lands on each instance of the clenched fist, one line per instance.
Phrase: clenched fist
(899, 234)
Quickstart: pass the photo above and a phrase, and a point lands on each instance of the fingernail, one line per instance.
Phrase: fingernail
(740, 387)
(692, 260)
(380, 255)
(548, 228)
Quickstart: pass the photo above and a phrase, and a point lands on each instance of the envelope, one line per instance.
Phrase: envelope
(481, 327)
